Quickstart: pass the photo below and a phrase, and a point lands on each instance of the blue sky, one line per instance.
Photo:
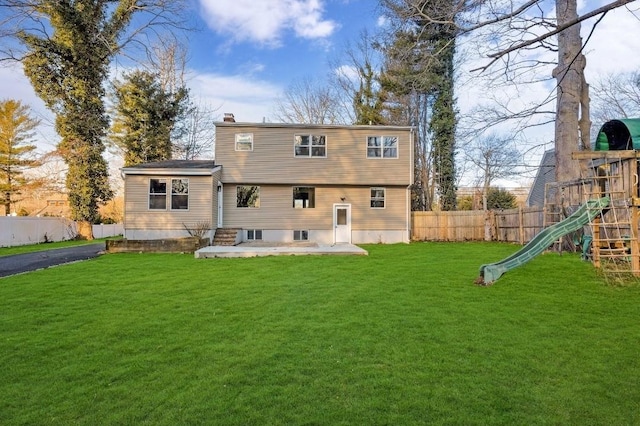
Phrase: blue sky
(258, 48)
(247, 52)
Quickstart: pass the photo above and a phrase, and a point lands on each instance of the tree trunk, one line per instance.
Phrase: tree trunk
(7, 203)
(572, 94)
(585, 114)
(85, 230)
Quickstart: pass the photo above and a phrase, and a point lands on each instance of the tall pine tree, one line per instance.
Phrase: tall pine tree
(67, 70)
(419, 78)
(68, 47)
(368, 102)
(145, 117)
(16, 149)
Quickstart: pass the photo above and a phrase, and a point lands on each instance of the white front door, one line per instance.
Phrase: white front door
(219, 224)
(342, 223)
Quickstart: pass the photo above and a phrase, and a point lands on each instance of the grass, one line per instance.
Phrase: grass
(399, 337)
(30, 248)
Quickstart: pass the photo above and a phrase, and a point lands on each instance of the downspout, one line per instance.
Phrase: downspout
(219, 206)
(411, 176)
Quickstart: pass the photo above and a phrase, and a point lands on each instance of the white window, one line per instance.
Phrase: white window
(382, 147)
(310, 146)
(301, 235)
(244, 141)
(157, 194)
(377, 198)
(254, 234)
(247, 196)
(179, 194)
(304, 197)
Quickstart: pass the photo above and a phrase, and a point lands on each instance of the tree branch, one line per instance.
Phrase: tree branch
(601, 10)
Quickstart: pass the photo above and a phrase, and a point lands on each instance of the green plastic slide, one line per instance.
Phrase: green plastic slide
(581, 217)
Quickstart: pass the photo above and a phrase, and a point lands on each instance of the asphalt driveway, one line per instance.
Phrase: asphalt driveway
(19, 263)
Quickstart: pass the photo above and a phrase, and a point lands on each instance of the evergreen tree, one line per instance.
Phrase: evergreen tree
(16, 132)
(68, 47)
(443, 119)
(67, 70)
(419, 78)
(145, 117)
(368, 101)
(498, 198)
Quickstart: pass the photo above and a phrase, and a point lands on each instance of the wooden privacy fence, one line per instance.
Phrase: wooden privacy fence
(516, 225)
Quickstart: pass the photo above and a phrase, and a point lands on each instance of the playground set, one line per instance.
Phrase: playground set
(598, 213)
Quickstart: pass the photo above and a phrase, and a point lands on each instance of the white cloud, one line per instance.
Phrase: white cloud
(250, 100)
(612, 48)
(265, 21)
(614, 45)
(347, 71)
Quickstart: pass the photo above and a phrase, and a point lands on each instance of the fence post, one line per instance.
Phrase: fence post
(487, 225)
(521, 224)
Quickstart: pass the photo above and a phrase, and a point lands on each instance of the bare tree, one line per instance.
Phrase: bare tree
(513, 30)
(168, 58)
(194, 133)
(52, 172)
(616, 96)
(493, 157)
(155, 19)
(310, 102)
(198, 135)
(358, 67)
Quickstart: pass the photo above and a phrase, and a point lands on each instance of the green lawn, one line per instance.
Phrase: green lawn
(399, 337)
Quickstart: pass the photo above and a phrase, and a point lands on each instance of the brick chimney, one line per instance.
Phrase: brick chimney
(229, 118)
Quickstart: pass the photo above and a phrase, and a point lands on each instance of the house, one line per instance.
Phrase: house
(545, 176)
(164, 199)
(281, 183)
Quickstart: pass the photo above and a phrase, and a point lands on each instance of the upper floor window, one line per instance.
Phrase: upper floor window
(179, 194)
(382, 147)
(247, 196)
(377, 198)
(310, 146)
(304, 197)
(244, 141)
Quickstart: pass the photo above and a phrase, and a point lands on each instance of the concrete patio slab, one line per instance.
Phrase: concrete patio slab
(265, 249)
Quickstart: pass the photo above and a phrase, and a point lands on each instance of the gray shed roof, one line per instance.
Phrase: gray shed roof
(176, 164)
(171, 167)
(546, 174)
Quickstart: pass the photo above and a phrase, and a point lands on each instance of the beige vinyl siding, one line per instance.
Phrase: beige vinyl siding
(392, 217)
(137, 204)
(272, 160)
(276, 208)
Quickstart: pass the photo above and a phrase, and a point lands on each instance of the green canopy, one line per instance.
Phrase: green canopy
(621, 134)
